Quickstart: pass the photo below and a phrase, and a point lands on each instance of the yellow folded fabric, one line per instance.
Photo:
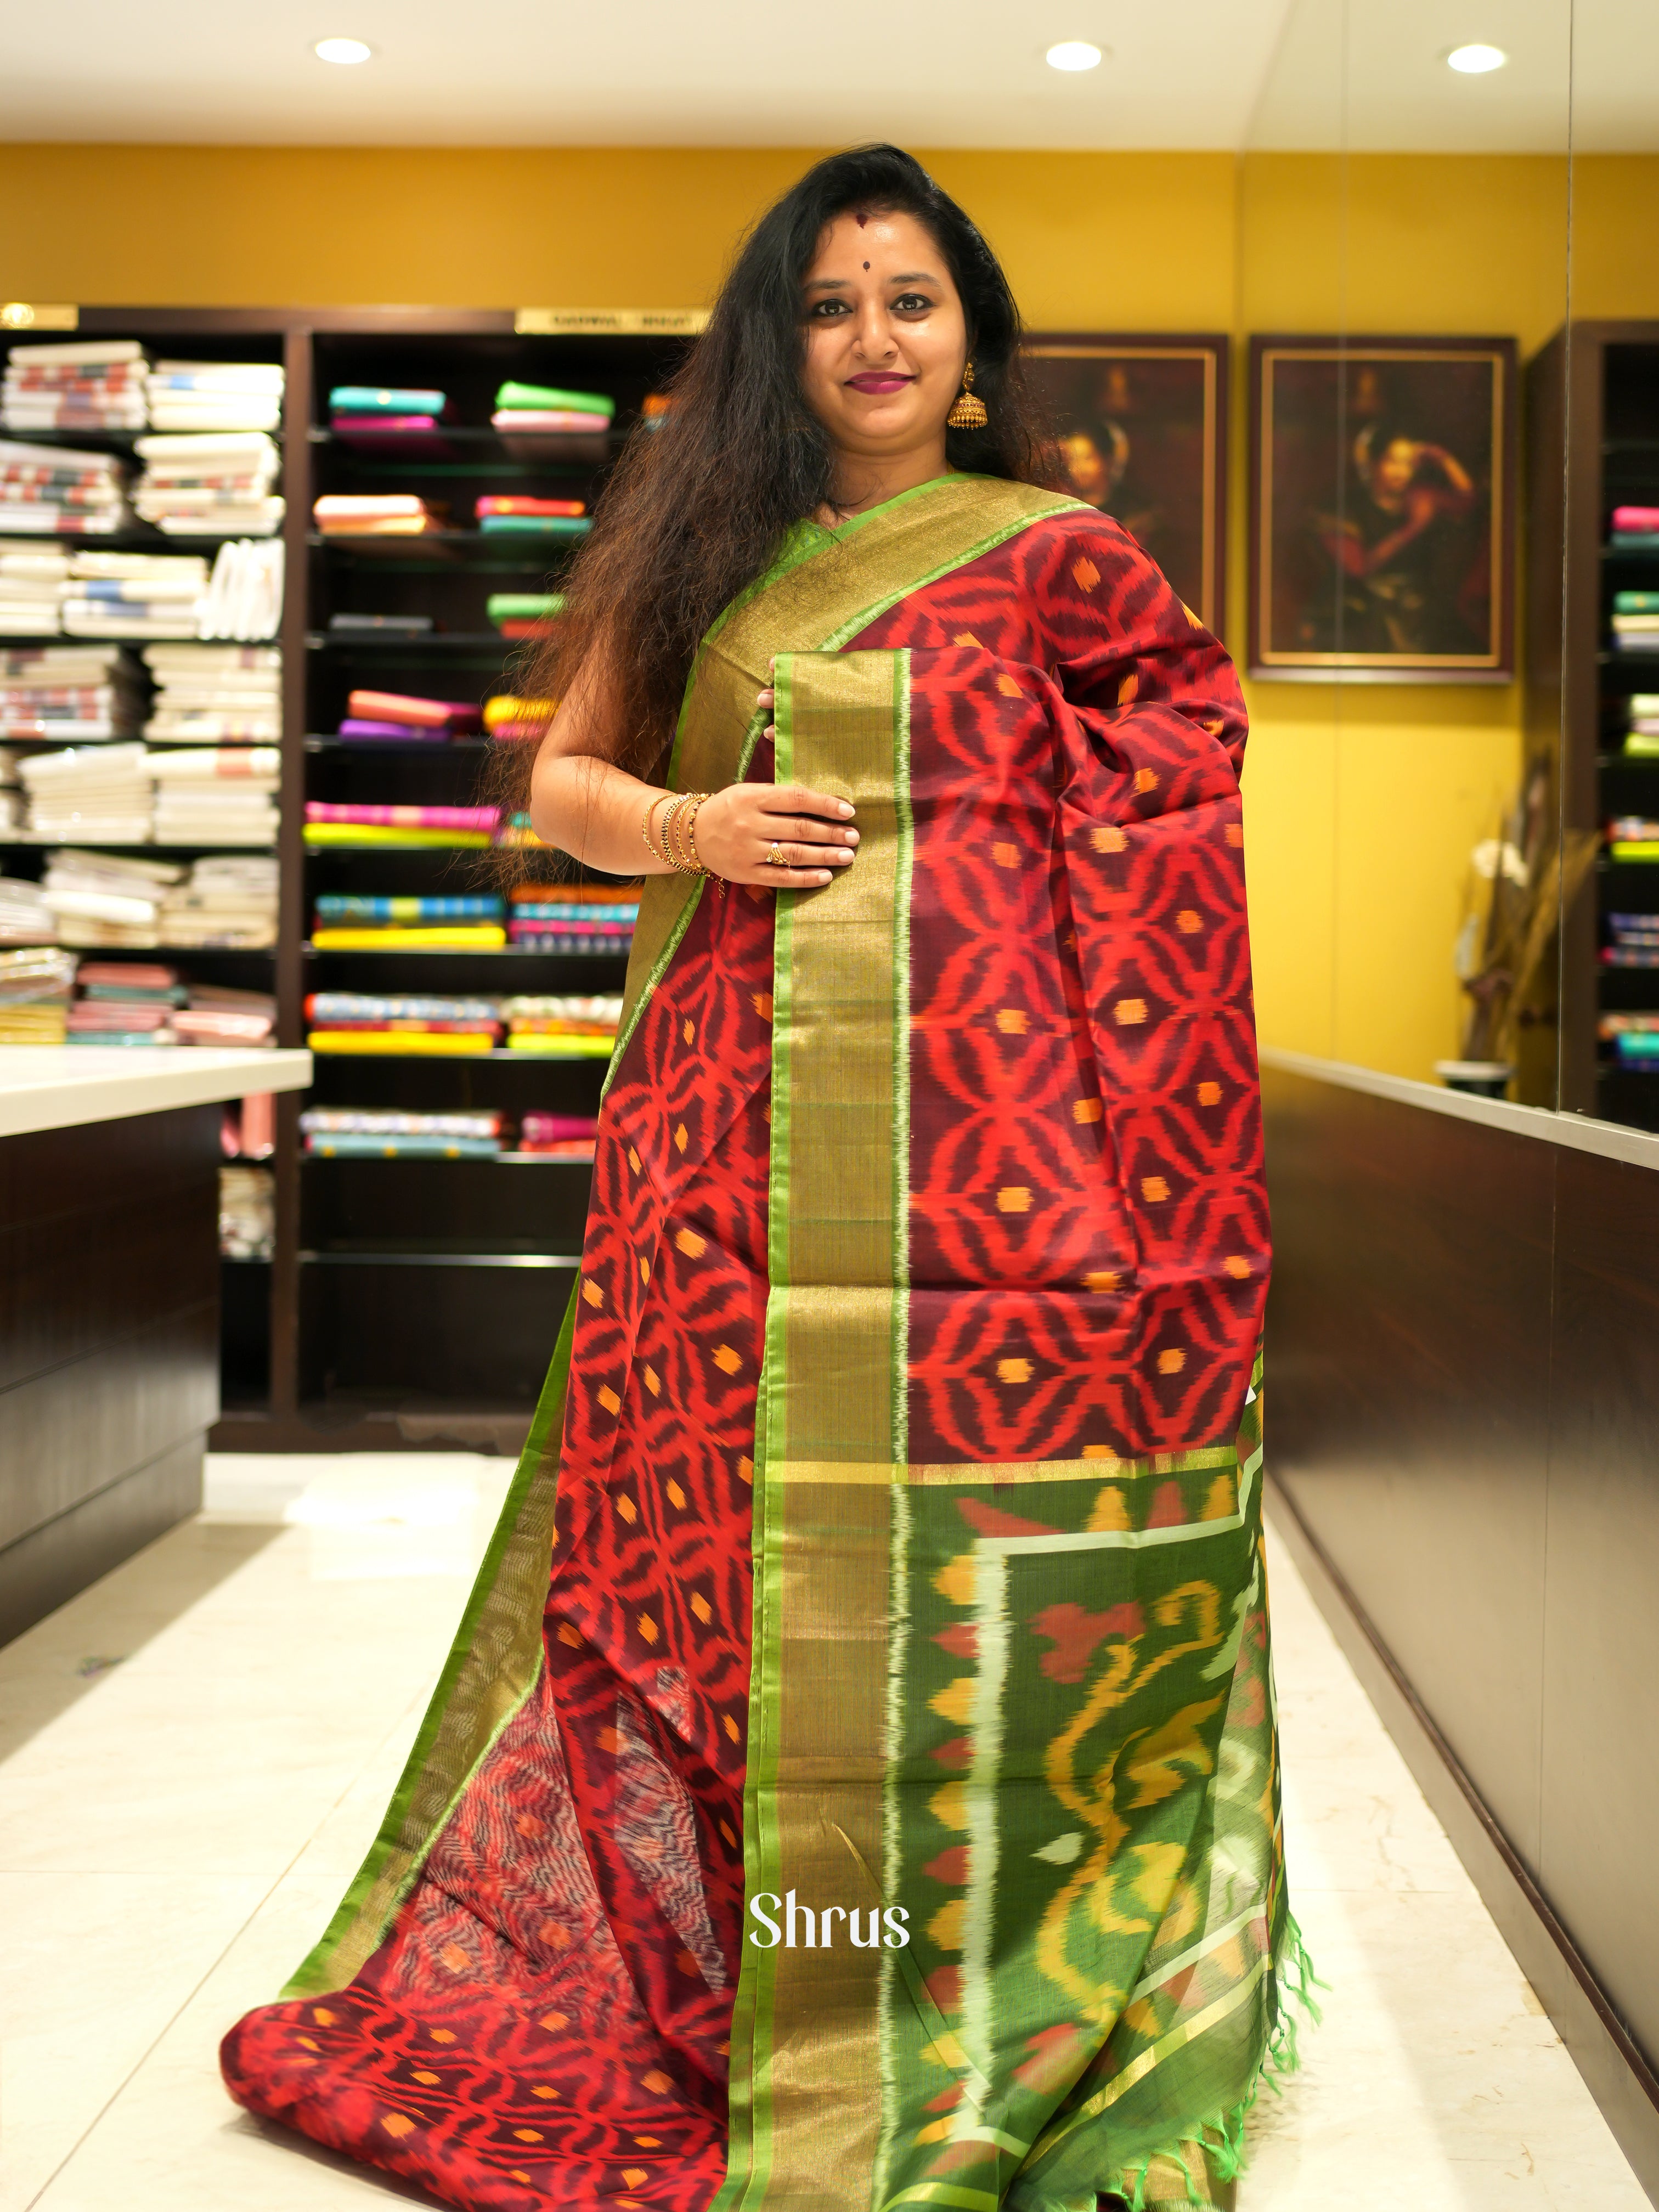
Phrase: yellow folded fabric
(363, 833)
(472, 937)
(569, 1047)
(442, 1046)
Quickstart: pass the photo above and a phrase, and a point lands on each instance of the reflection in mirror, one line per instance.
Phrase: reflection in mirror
(1604, 378)
(1403, 257)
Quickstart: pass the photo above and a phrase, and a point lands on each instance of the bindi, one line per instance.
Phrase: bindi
(867, 264)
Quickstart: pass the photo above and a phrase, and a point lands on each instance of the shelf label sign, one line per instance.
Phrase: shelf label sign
(30, 315)
(609, 322)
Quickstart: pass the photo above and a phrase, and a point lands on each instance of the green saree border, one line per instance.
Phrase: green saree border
(837, 1246)
(360, 1923)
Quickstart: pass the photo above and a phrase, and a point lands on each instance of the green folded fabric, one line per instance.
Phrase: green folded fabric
(524, 606)
(549, 398)
(1636, 603)
(535, 525)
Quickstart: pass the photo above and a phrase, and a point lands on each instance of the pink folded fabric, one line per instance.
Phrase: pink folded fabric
(405, 818)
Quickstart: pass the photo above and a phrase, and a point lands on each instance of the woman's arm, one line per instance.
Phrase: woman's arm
(587, 806)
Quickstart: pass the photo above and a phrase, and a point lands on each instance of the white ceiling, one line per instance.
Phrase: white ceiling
(1215, 74)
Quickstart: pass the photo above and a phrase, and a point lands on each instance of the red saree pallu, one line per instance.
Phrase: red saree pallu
(878, 1803)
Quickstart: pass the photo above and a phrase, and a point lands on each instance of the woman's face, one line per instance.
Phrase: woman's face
(886, 337)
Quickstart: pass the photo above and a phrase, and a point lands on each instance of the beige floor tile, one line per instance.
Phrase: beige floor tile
(92, 1969)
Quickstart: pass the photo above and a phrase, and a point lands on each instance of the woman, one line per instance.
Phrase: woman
(939, 1862)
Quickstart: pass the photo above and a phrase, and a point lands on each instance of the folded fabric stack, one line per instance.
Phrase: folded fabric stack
(214, 694)
(1642, 725)
(69, 691)
(1636, 621)
(375, 418)
(524, 614)
(1636, 529)
(564, 1029)
(33, 582)
(376, 514)
(456, 828)
(1633, 837)
(356, 1022)
(517, 830)
(395, 717)
(215, 395)
(558, 1136)
(34, 996)
(344, 1133)
(572, 918)
(347, 923)
(245, 591)
(219, 484)
(510, 516)
(25, 917)
(135, 594)
(544, 411)
(1634, 1039)
(506, 717)
(97, 901)
(121, 1003)
(348, 623)
(217, 794)
(47, 488)
(228, 902)
(95, 384)
(247, 1214)
(102, 793)
(654, 409)
(1635, 941)
(215, 1014)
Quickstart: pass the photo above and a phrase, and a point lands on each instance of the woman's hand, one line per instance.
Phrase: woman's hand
(738, 826)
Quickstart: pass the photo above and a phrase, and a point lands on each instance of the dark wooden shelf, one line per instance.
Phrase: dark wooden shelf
(433, 641)
(570, 1260)
(423, 748)
(120, 442)
(449, 952)
(439, 1160)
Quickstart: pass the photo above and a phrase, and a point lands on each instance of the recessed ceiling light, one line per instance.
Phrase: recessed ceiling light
(344, 50)
(1074, 54)
(1475, 61)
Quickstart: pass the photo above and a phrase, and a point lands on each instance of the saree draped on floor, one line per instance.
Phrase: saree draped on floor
(900, 1467)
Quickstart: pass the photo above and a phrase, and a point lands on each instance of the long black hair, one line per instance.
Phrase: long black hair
(697, 509)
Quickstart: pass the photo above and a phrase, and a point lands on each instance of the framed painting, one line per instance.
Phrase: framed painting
(1141, 422)
(1383, 497)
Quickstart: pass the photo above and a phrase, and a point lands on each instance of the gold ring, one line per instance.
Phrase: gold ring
(775, 856)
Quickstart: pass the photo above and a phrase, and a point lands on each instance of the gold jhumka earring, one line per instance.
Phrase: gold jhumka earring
(968, 413)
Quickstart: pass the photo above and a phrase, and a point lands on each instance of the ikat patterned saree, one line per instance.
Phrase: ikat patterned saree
(877, 1803)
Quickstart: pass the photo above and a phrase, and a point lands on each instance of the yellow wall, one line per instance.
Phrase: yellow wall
(1362, 801)
(1091, 238)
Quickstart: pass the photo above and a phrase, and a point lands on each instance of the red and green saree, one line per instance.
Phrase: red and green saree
(900, 1467)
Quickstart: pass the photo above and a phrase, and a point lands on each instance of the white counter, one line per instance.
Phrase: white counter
(58, 1086)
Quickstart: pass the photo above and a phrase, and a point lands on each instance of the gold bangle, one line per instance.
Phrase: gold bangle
(693, 856)
(681, 833)
(685, 858)
(645, 826)
(664, 822)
